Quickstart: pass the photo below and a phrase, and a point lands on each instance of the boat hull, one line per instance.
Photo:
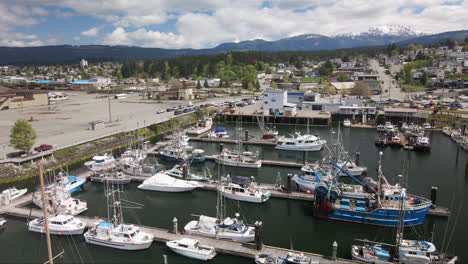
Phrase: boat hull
(56, 231)
(191, 254)
(379, 217)
(255, 165)
(160, 188)
(244, 238)
(198, 131)
(246, 198)
(198, 159)
(117, 245)
(300, 147)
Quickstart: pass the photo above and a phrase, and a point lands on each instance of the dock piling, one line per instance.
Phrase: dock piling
(246, 135)
(174, 222)
(289, 183)
(335, 249)
(221, 147)
(164, 259)
(358, 156)
(185, 171)
(434, 195)
(258, 235)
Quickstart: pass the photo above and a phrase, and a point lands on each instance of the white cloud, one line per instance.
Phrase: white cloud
(145, 38)
(92, 32)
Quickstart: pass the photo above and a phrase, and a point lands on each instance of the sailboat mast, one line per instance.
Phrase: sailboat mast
(46, 217)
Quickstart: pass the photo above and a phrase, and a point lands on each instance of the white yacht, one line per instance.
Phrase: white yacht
(134, 168)
(220, 132)
(422, 143)
(229, 229)
(121, 236)
(101, 162)
(300, 143)
(203, 125)
(447, 131)
(191, 248)
(236, 159)
(349, 166)
(59, 201)
(347, 123)
(309, 180)
(243, 189)
(58, 225)
(11, 194)
(164, 183)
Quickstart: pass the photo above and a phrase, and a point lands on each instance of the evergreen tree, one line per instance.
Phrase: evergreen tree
(257, 85)
(205, 84)
(220, 83)
(198, 84)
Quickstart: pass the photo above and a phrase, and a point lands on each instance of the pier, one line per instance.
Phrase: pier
(233, 141)
(247, 250)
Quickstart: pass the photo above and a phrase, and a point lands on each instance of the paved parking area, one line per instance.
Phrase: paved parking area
(66, 122)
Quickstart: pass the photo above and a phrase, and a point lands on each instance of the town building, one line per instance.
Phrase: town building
(343, 86)
(19, 98)
(371, 81)
(296, 98)
(274, 101)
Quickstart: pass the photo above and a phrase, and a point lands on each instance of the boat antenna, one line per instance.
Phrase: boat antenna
(454, 225)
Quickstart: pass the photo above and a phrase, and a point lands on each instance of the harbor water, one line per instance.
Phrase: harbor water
(287, 223)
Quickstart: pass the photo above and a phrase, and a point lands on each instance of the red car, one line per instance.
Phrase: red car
(43, 147)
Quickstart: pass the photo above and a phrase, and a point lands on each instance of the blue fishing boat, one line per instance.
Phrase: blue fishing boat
(379, 206)
(71, 183)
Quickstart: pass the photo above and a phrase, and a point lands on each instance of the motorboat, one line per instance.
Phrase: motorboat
(395, 141)
(347, 123)
(447, 131)
(172, 153)
(427, 126)
(59, 201)
(380, 128)
(178, 172)
(58, 225)
(122, 236)
(297, 258)
(101, 162)
(203, 125)
(464, 146)
(114, 232)
(268, 259)
(422, 144)
(244, 189)
(457, 136)
(71, 183)
(197, 155)
(220, 132)
(300, 142)
(381, 141)
(162, 182)
(307, 181)
(403, 127)
(9, 195)
(191, 248)
(112, 177)
(2, 222)
(389, 128)
(224, 228)
(235, 159)
(134, 168)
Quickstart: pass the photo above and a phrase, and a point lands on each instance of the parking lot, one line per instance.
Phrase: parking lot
(66, 122)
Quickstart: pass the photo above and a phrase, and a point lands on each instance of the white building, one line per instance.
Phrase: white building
(274, 101)
(83, 63)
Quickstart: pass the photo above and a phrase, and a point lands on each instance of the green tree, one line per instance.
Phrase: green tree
(205, 84)
(257, 85)
(343, 77)
(274, 85)
(22, 136)
(220, 83)
(198, 84)
(360, 88)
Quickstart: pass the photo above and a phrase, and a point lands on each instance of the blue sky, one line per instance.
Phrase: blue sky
(206, 23)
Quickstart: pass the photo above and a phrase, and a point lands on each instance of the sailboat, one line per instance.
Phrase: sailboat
(268, 134)
(115, 233)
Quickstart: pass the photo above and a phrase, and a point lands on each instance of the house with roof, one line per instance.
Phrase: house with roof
(19, 98)
(343, 86)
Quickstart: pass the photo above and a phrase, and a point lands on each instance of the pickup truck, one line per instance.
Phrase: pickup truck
(43, 147)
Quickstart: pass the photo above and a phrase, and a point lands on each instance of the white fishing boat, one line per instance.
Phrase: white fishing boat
(347, 123)
(350, 166)
(268, 259)
(297, 258)
(300, 143)
(389, 128)
(132, 167)
(307, 182)
(203, 125)
(101, 162)
(59, 201)
(422, 144)
(112, 177)
(268, 134)
(116, 234)
(380, 128)
(137, 155)
(58, 225)
(427, 126)
(191, 248)
(243, 189)
(9, 195)
(162, 182)
(447, 131)
(228, 228)
(235, 159)
(457, 136)
(220, 132)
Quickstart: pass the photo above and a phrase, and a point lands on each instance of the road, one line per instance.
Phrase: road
(392, 90)
(66, 122)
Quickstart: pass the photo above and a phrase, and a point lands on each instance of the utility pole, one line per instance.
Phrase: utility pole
(110, 115)
(46, 218)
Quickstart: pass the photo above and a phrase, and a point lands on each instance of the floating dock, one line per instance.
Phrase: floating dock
(233, 141)
(247, 250)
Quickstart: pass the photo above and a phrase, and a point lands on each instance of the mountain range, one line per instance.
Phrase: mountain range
(375, 37)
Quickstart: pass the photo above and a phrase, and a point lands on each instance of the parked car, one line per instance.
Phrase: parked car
(178, 112)
(160, 111)
(43, 147)
(186, 110)
(169, 109)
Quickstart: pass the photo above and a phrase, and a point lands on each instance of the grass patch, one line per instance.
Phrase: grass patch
(324, 79)
(413, 88)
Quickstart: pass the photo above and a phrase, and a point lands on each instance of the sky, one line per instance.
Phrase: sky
(207, 23)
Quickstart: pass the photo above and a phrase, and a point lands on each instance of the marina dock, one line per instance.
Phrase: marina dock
(247, 250)
(233, 141)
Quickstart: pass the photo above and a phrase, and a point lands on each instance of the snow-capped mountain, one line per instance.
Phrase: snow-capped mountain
(386, 30)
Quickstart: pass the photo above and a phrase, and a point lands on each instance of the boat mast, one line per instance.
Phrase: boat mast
(400, 227)
(46, 217)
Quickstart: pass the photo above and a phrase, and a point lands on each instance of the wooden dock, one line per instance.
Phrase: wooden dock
(269, 162)
(247, 250)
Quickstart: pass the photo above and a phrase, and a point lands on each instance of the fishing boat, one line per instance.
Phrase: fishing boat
(395, 141)
(222, 228)
(380, 128)
(58, 225)
(347, 123)
(464, 146)
(203, 125)
(297, 258)
(447, 131)
(111, 177)
(243, 189)
(59, 201)
(268, 259)
(197, 155)
(101, 162)
(172, 153)
(381, 141)
(422, 144)
(220, 132)
(427, 126)
(381, 208)
(191, 248)
(300, 143)
(268, 134)
(115, 233)
(307, 181)
(178, 172)
(134, 168)
(137, 155)
(403, 127)
(162, 182)
(9, 195)
(457, 136)
(239, 159)
(2, 222)
(389, 128)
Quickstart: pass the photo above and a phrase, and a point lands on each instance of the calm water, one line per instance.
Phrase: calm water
(287, 224)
